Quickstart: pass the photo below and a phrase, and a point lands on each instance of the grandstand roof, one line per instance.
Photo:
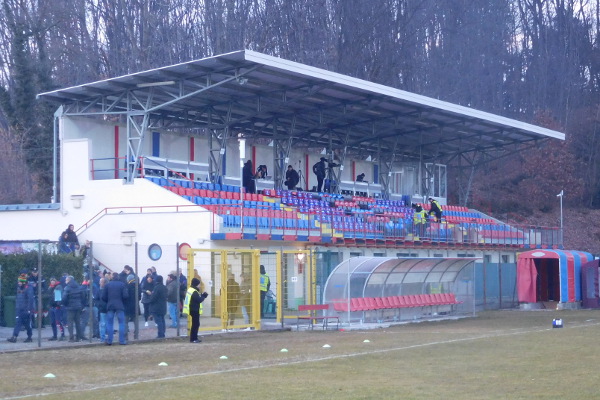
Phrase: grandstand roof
(268, 97)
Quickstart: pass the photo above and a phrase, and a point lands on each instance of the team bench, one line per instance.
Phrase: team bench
(316, 312)
(365, 304)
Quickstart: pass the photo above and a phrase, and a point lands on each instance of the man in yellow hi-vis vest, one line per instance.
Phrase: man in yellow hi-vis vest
(435, 209)
(419, 220)
(265, 285)
(192, 306)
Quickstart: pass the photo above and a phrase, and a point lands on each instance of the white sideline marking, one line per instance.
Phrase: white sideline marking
(283, 364)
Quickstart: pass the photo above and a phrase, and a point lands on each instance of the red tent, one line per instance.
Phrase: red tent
(550, 275)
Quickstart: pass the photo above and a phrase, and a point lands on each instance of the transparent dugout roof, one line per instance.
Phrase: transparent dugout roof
(377, 276)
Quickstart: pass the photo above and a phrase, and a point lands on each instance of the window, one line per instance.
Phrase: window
(404, 255)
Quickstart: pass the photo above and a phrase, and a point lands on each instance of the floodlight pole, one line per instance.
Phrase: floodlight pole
(561, 216)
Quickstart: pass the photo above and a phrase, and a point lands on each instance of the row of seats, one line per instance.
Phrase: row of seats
(392, 302)
(492, 234)
(381, 219)
(188, 184)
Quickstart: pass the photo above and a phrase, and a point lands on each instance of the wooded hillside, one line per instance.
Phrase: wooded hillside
(533, 60)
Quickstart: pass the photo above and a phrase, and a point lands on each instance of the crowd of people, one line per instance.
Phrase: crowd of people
(112, 295)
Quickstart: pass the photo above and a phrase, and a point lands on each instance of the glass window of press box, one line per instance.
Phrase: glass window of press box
(381, 277)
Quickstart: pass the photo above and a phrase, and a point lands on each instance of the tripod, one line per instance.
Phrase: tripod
(301, 176)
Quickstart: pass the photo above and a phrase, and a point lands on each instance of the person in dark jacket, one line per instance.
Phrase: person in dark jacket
(131, 300)
(73, 301)
(158, 305)
(248, 181)
(71, 239)
(173, 299)
(192, 307)
(147, 285)
(435, 209)
(319, 171)
(291, 178)
(115, 294)
(56, 319)
(23, 309)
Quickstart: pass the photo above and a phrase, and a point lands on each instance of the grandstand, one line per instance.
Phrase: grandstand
(154, 159)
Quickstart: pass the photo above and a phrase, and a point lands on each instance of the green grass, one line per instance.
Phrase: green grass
(498, 355)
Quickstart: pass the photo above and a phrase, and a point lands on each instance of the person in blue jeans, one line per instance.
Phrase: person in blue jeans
(114, 295)
(173, 298)
(102, 310)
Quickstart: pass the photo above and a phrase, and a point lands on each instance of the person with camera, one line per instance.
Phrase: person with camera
(291, 178)
(320, 171)
(192, 306)
(261, 172)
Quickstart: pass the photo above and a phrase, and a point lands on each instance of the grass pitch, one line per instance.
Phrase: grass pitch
(497, 355)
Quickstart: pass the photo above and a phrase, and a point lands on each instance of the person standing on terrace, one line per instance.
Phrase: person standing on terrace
(435, 209)
(248, 178)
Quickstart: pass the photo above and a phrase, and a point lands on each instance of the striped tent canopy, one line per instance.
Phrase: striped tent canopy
(535, 273)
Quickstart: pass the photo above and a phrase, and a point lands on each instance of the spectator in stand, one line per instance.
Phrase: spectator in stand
(192, 306)
(319, 171)
(360, 178)
(56, 319)
(173, 298)
(115, 296)
(23, 309)
(261, 172)
(63, 245)
(435, 209)
(158, 305)
(71, 239)
(73, 301)
(154, 273)
(248, 178)
(291, 178)
(419, 220)
(146, 285)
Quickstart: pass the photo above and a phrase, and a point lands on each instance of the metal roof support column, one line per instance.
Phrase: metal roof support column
(282, 145)
(386, 173)
(217, 146)
(136, 131)
(137, 125)
(332, 175)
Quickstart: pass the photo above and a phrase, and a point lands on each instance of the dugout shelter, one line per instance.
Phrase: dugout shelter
(551, 275)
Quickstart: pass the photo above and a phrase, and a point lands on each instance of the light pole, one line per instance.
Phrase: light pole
(561, 216)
